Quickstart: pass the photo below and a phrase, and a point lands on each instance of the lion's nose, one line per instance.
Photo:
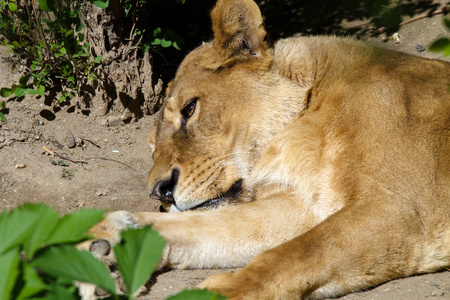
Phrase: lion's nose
(164, 189)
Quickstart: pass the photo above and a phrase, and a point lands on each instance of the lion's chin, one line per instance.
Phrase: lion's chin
(231, 195)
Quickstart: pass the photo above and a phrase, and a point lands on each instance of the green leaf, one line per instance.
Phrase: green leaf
(2, 105)
(196, 295)
(165, 43)
(63, 50)
(157, 31)
(73, 227)
(101, 4)
(41, 90)
(447, 23)
(156, 42)
(5, 92)
(181, 1)
(23, 80)
(19, 92)
(75, 265)
(19, 224)
(9, 268)
(3, 118)
(441, 45)
(47, 5)
(176, 46)
(33, 283)
(48, 219)
(78, 28)
(31, 92)
(12, 6)
(98, 59)
(137, 255)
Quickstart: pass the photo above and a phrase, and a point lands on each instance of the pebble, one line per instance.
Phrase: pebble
(102, 192)
(70, 139)
(420, 48)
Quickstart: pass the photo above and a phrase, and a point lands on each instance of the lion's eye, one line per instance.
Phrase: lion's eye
(189, 109)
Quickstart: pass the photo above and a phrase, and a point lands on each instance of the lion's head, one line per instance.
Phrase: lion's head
(221, 109)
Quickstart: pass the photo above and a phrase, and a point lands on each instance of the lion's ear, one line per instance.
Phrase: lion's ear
(238, 30)
(151, 138)
(169, 85)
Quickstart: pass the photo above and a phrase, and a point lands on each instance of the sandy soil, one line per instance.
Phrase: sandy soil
(115, 163)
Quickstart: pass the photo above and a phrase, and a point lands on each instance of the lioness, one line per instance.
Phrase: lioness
(321, 165)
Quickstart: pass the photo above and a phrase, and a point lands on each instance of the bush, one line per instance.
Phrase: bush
(49, 41)
(38, 258)
(60, 44)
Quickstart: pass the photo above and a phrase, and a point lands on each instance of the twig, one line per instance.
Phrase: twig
(62, 157)
(41, 32)
(96, 145)
(110, 159)
(427, 15)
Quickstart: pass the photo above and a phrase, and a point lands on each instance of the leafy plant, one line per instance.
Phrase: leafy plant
(166, 38)
(442, 44)
(137, 11)
(48, 42)
(35, 237)
(38, 258)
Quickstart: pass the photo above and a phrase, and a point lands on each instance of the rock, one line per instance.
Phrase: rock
(70, 139)
(102, 192)
(114, 121)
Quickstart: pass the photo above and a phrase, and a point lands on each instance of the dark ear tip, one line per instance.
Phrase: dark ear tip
(100, 248)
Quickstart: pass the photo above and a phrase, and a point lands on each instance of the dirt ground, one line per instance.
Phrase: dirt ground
(112, 161)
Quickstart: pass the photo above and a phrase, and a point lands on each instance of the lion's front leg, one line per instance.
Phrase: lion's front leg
(225, 238)
(350, 251)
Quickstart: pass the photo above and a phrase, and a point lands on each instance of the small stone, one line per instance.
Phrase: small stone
(70, 139)
(23, 166)
(420, 48)
(114, 121)
(102, 192)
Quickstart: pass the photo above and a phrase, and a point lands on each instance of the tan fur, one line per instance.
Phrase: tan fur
(343, 150)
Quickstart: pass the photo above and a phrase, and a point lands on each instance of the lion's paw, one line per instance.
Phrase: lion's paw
(223, 284)
(106, 234)
(239, 285)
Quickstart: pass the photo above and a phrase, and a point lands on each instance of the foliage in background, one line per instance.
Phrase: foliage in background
(48, 40)
(136, 13)
(442, 44)
(38, 258)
